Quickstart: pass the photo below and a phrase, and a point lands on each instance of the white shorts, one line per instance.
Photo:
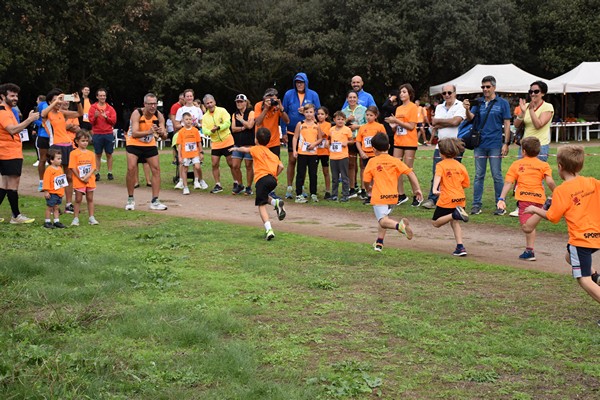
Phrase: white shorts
(189, 161)
(382, 211)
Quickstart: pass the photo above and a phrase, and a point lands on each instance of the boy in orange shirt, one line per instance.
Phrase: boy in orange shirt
(82, 164)
(267, 167)
(339, 136)
(578, 200)
(529, 171)
(449, 183)
(365, 148)
(323, 148)
(189, 146)
(384, 171)
(53, 186)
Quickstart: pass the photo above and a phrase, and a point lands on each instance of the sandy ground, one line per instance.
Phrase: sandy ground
(485, 243)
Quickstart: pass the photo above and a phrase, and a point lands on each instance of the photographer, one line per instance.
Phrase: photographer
(269, 112)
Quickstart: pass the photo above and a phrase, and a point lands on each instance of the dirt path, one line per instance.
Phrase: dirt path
(485, 243)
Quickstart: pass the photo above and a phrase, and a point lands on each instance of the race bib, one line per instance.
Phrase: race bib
(190, 146)
(60, 181)
(24, 135)
(368, 142)
(305, 146)
(147, 138)
(335, 147)
(84, 170)
(85, 117)
(322, 144)
(400, 131)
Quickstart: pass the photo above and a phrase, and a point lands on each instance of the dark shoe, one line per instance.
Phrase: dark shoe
(415, 202)
(59, 225)
(362, 194)
(111, 177)
(69, 209)
(333, 198)
(97, 177)
(460, 214)
(217, 189)
(352, 194)
(48, 225)
(367, 201)
(280, 210)
(475, 210)
(460, 251)
(499, 211)
(235, 187)
(428, 204)
(344, 199)
(248, 191)
(238, 189)
(402, 199)
(327, 196)
(547, 204)
(527, 255)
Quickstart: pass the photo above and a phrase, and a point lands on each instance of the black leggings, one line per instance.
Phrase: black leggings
(312, 162)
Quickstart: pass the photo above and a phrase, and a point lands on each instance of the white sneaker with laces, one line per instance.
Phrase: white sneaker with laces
(75, 222)
(179, 185)
(197, 185)
(35, 164)
(130, 206)
(314, 198)
(93, 221)
(157, 205)
(186, 190)
(203, 184)
(515, 213)
(21, 219)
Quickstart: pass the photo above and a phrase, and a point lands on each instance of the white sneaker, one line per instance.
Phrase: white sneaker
(186, 190)
(35, 164)
(75, 222)
(314, 198)
(203, 184)
(130, 206)
(300, 199)
(515, 213)
(179, 185)
(197, 185)
(21, 219)
(270, 234)
(157, 205)
(93, 221)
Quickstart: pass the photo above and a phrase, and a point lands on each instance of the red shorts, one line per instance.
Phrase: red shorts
(522, 206)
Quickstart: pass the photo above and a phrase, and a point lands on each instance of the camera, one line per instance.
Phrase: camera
(68, 97)
(475, 102)
(274, 102)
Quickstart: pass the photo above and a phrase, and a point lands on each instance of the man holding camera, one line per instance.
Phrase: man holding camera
(493, 122)
(269, 112)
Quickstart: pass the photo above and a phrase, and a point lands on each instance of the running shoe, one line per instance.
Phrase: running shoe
(515, 213)
(460, 214)
(48, 225)
(344, 199)
(98, 177)
(289, 193)
(130, 206)
(110, 176)
(75, 222)
(203, 185)
(362, 194)
(460, 251)
(300, 199)
(179, 185)
(352, 194)
(217, 189)
(280, 210)
(235, 187)
(59, 225)
(21, 219)
(404, 228)
(367, 201)
(314, 198)
(428, 204)
(475, 210)
(41, 186)
(499, 211)
(415, 202)
(69, 209)
(197, 185)
(270, 234)
(239, 189)
(248, 191)
(327, 196)
(547, 203)
(528, 255)
(402, 199)
(157, 205)
(333, 198)
(186, 190)
(35, 164)
(93, 221)
(378, 247)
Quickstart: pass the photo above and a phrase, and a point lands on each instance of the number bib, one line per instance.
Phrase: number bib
(335, 147)
(190, 146)
(84, 170)
(305, 146)
(147, 138)
(367, 142)
(322, 144)
(60, 181)
(400, 131)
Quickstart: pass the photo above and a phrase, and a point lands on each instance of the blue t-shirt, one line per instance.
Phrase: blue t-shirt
(41, 131)
(491, 133)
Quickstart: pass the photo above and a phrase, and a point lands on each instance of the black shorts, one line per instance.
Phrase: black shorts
(324, 160)
(12, 167)
(276, 150)
(42, 142)
(221, 152)
(142, 152)
(290, 144)
(352, 149)
(580, 259)
(440, 212)
(65, 151)
(364, 161)
(406, 148)
(263, 187)
(85, 125)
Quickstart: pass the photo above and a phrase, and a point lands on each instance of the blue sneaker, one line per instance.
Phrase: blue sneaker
(40, 186)
(527, 255)
(460, 251)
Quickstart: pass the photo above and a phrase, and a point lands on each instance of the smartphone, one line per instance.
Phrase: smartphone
(155, 122)
(69, 97)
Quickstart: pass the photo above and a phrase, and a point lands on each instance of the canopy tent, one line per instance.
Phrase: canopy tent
(509, 79)
(583, 78)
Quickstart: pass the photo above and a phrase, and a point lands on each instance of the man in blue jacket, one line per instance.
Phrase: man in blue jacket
(293, 103)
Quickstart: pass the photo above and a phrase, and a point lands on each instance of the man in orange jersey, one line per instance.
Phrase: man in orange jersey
(268, 114)
(11, 150)
(86, 104)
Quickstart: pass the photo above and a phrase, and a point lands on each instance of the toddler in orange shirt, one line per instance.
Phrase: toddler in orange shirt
(53, 185)
(82, 164)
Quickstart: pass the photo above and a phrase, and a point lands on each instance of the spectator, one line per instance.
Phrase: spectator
(103, 117)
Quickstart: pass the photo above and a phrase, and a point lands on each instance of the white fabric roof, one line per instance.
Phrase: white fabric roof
(509, 79)
(583, 78)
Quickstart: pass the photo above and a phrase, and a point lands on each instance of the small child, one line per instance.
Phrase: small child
(384, 170)
(529, 171)
(578, 200)
(189, 146)
(307, 136)
(365, 148)
(82, 164)
(323, 148)
(267, 167)
(53, 186)
(449, 183)
(339, 136)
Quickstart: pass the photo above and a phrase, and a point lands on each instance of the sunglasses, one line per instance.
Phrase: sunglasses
(447, 93)
(536, 91)
(486, 86)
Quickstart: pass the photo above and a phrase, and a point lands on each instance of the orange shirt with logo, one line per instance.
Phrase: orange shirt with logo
(336, 137)
(265, 162)
(529, 172)
(82, 162)
(578, 200)
(384, 170)
(190, 142)
(271, 122)
(323, 149)
(145, 124)
(10, 145)
(454, 180)
(52, 178)
(402, 136)
(308, 134)
(365, 135)
(58, 124)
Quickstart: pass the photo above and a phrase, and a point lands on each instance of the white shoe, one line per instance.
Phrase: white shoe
(197, 185)
(93, 221)
(314, 198)
(179, 184)
(75, 222)
(203, 185)
(35, 164)
(515, 213)
(130, 206)
(157, 205)
(21, 219)
(186, 190)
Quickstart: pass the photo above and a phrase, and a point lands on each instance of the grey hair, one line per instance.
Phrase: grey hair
(149, 95)
(489, 79)
(207, 97)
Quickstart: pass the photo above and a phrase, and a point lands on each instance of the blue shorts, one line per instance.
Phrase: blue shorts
(54, 200)
(104, 142)
(580, 259)
(241, 156)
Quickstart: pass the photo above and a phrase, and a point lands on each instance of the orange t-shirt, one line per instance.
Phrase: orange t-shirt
(58, 124)
(82, 162)
(578, 200)
(529, 173)
(403, 137)
(144, 125)
(265, 162)
(86, 109)
(366, 133)
(385, 170)
(55, 180)
(455, 179)
(420, 114)
(271, 122)
(10, 146)
(322, 149)
(190, 142)
(337, 136)
(308, 135)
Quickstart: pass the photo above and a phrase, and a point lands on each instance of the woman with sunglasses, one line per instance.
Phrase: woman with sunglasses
(537, 116)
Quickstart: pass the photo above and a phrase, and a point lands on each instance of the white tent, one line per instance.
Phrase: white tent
(509, 79)
(583, 78)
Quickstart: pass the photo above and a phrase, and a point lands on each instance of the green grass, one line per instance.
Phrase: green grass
(147, 306)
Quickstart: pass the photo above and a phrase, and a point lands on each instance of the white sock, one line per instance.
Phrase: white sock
(47, 220)
(196, 180)
(56, 220)
(268, 226)
(274, 202)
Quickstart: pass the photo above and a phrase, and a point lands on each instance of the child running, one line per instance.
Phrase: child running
(323, 148)
(365, 148)
(578, 200)
(449, 183)
(267, 167)
(82, 164)
(189, 147)
(339, 136)
(383, 171)
(529, 171)
(53, 186)
(307, 136)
